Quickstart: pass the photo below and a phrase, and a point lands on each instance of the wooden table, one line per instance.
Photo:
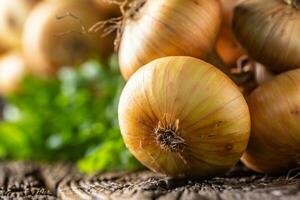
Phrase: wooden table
(26, 180)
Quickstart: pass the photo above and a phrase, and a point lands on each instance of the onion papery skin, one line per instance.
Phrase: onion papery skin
(227, 47)
(13, 14)
(269, 31)
(228, 7)
(198, 104)
(50, 43)
(12, 70)
(168, 28)
(274, 145)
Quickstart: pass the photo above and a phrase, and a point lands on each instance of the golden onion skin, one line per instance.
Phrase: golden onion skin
(227, 47)
(228, 7)
(13, 14)
(274, 144)
(182, 117)
(168, 28)
(269, 31)
(49, 43)
(12, 70)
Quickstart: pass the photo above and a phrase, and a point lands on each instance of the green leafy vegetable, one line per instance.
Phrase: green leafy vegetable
(69, 118)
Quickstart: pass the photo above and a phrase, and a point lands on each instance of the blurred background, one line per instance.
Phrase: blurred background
(60, 85)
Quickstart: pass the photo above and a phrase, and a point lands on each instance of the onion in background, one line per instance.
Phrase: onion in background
(13, 14)
(269, 31)
(227, 47)
(153, 29)
(12, 70)
(49, 42)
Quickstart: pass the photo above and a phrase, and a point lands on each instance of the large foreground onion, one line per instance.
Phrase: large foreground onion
(13, 14)
(154, 29)
(275, 113)
(182, 117)
(12, 70)
(50, 43)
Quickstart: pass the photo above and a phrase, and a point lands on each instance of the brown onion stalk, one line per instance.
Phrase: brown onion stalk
(251, 74)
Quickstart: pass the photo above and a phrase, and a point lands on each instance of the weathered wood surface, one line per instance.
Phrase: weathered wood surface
(32, 181)
(22, 181)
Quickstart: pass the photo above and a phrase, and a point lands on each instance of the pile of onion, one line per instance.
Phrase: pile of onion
(13, 14)
(12, 70)
(56, 34)
(269, 32)
(153, 29)
(182, 117)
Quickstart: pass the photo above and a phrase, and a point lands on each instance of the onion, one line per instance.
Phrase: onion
(269, 31)
(182, 117)
(13, 14)
(227, 46)
(154, 29)
(275, 114)
(12, 70)
(50, 43)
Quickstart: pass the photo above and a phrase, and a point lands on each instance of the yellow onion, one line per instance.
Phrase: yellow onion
(269, 31)
(275, 114)
(153, 29)
(13, 14)
(50, 43)
(182, 117)
(12, 70)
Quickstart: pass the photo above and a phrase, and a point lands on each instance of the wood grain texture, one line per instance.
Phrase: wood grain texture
(26, 180)
(22, 181)
(147, 185)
